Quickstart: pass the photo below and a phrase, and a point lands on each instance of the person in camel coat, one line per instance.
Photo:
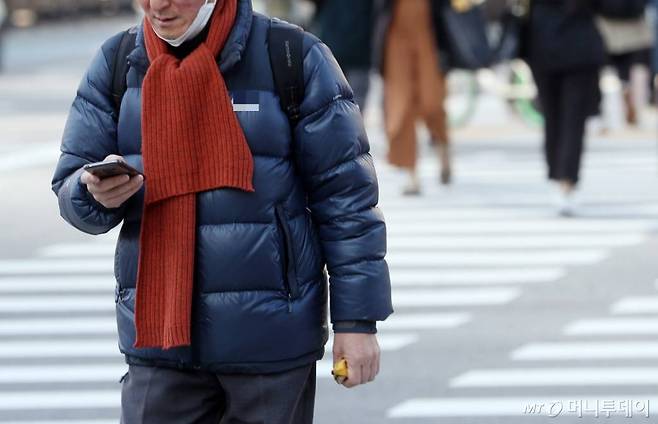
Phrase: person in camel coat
(414, 84)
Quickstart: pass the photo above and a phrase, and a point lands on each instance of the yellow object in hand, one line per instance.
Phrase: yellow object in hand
(461, 6)
(340, 371)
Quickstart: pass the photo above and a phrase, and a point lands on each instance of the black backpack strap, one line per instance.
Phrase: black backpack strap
(120, 67)
(287, 61)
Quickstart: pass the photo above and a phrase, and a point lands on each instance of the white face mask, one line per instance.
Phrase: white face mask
(195, 28)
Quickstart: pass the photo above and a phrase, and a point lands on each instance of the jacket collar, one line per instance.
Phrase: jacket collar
(230, 55)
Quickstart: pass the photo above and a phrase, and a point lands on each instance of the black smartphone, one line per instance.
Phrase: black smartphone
(110, 168)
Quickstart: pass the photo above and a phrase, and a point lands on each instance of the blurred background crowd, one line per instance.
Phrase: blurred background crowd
(548, 59)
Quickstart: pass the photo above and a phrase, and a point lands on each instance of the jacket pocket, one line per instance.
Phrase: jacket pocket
(289, 262)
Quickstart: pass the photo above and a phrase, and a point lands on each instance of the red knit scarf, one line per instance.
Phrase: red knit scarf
(191, 142)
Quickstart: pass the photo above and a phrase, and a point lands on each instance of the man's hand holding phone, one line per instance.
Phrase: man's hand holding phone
(113, 191)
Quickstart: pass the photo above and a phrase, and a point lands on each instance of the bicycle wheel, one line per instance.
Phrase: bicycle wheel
(523, 98)
(461, 99)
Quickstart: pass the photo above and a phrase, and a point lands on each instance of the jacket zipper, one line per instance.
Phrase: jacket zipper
(290, 274)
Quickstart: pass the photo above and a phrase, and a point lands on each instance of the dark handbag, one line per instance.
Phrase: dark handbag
(462, 37)
(513, 37)
(621, 9)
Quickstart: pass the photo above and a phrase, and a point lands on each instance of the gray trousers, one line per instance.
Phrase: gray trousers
(154, 395)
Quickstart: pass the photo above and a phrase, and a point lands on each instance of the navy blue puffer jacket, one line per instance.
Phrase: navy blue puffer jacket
(260, 289)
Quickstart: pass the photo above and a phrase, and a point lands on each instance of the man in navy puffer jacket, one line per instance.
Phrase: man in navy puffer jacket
(260, 287)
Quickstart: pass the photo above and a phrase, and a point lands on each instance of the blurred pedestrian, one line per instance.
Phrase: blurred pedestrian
(346, 26)
(628, 42)
(655, 52)
(4, 12)
(414, 85)
(565, 53)
(220, 263)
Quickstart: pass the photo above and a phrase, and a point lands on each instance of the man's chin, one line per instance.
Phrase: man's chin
(167, 31)
(166, 34)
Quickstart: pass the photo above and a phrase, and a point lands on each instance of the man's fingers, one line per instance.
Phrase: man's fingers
(377, 363)
(119, 195)
(354, 375)
(113, 157)
(366, 372)
(368, 365)
(362, 354)
(89, 178)
(125, 190)
(107, 184)
(373, 370)
(375, 360)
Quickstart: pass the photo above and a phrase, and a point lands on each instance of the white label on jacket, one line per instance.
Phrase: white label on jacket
(246, 101)
(246, 107)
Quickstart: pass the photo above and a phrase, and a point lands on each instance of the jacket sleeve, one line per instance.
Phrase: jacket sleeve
(333, 158)
(89, 136)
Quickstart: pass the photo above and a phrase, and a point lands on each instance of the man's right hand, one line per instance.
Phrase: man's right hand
(112, 192)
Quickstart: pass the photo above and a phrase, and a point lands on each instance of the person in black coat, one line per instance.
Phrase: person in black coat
(655, 53)
(565, 53)
(347, 26)
(3, 24)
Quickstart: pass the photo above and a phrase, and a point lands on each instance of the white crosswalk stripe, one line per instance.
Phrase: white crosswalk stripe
(50, 266)
(50, 283)
(57, 326)
(563, 241)
(610, 205)
(547, 226)
(40, 154)
(78, 250)
(613, 326)
(23, 304)
(417, 321)
(567, 351)
(67, 421)
(387, 342)
(493, 258)
(38, 374)
(57, 348)
(396, 211)
(636, 305)
(323, 369)
(454, 297)
(545, 377)
(59, 399)
(480, 276)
